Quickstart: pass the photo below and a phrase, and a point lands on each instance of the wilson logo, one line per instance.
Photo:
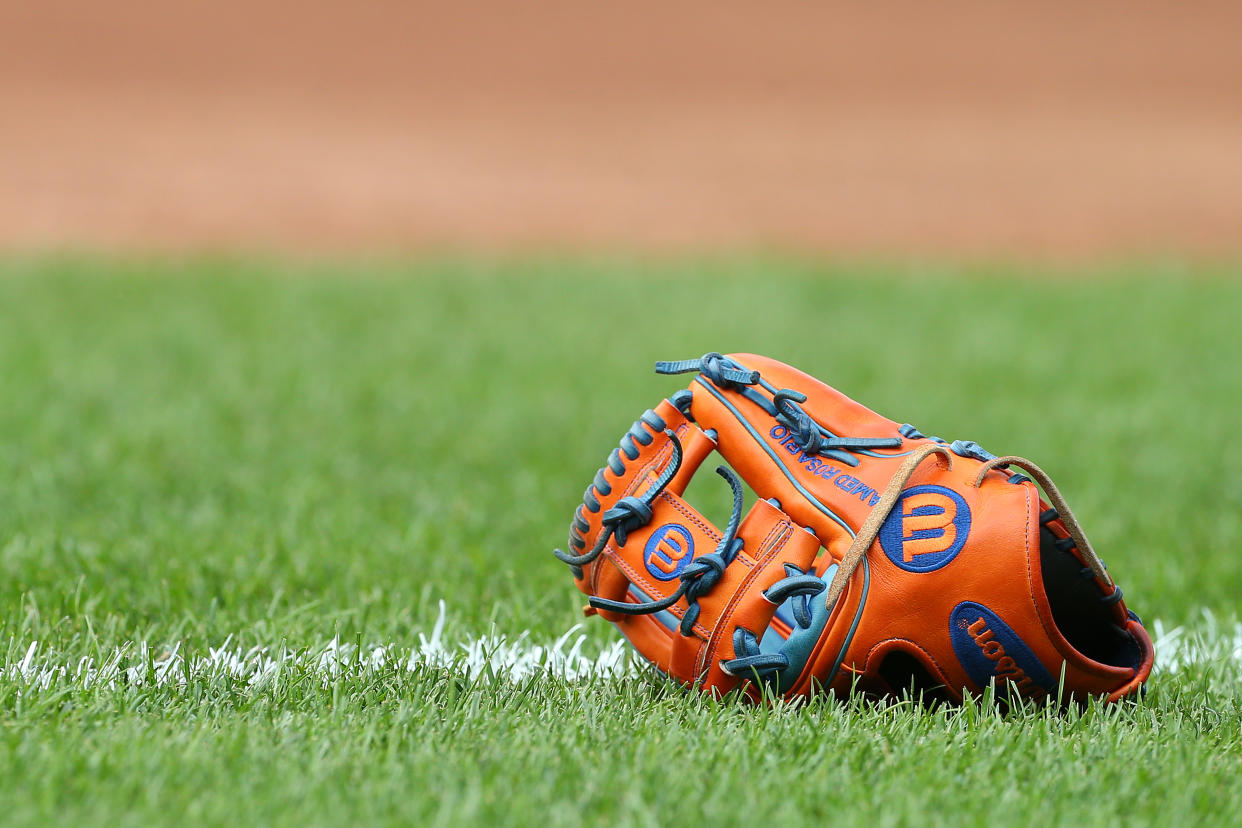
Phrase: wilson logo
(988, 649)
(669, 550)
(926, 529)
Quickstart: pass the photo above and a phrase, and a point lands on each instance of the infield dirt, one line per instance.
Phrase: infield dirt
(1054, 128)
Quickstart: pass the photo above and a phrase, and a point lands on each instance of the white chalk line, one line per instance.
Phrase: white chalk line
(486, 657)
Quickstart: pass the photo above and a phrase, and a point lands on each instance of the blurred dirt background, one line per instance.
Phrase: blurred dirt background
(1049, 128)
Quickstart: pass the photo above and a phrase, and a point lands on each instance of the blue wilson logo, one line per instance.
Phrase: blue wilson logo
(669, 550)
(926, 529)
(989, 649)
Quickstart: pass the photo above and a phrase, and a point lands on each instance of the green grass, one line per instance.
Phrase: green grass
(282, 454)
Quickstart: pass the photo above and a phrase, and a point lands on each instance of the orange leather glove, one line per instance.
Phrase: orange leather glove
(875, 559)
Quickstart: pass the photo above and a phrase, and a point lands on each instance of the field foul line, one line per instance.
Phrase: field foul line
(487, 657)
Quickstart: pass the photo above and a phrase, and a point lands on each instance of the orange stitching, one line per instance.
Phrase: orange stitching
(692, 516)
(635, 577)
(659, 458)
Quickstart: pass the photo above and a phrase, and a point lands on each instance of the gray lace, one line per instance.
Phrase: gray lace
(810, 436)
(629, 513)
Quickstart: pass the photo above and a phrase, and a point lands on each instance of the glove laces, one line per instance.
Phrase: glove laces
(629, 513)
(749, 659)
(814, 438)
(809, 435)
(700, 576)
(718, 368)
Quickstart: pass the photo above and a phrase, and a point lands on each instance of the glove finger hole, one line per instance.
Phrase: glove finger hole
(713, 499)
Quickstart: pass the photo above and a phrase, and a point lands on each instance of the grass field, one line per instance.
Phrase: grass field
(214, 456)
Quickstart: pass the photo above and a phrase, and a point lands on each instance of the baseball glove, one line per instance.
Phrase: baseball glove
(875, 559)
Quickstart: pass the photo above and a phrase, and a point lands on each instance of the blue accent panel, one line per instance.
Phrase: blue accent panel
(627, 446)
(663, 616)
(776, 459)
(771, 643)
(614, 462)
(654, 420)
(669, 550)
(989, 649)
(601, 485)
(785, 613)
(801, 641)
(896, 531)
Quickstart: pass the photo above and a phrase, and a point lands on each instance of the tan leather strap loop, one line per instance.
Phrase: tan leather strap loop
(1064, 512)
(871, 526)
